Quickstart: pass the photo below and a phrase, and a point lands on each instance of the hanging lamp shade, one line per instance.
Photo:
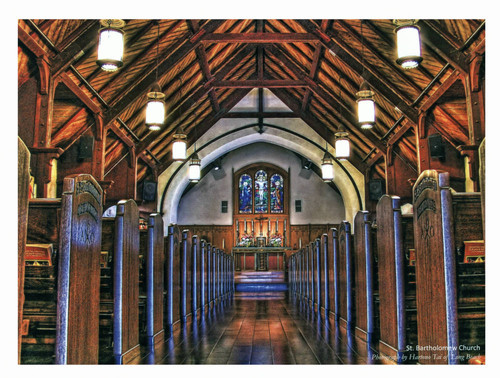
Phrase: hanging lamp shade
(408, 43)
(342, 144)
(110, 47)
(366, 106)
(195, 168)
(327, 167)
(155, 108)
(179, 145)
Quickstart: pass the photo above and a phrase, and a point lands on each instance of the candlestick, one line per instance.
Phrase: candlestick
(276, 230)
(245, 226)
(300, 243)
(223, 243)
(252, 226)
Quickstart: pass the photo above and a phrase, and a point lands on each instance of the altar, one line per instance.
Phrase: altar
(260, 258)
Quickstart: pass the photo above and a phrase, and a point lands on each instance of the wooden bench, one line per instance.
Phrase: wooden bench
(450, 300)
(120, 298)
(62, 300)
(396, 280)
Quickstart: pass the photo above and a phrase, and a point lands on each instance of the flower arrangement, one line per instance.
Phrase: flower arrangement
(276, 240)
(246, 240)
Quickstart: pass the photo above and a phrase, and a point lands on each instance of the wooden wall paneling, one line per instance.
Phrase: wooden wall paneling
(363, 277)
(155, 266)
(23, 187)
(77, 335)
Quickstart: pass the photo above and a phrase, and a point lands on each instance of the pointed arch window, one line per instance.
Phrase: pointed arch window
(261, 192)
(245, 194)
(277, 194)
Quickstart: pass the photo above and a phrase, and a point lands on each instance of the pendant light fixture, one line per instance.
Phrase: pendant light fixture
(327, 166)
(155, 108)
(342, 143)
(408, 43)
(195, 164)
(179, 146)
(366, 104)
(110, 47)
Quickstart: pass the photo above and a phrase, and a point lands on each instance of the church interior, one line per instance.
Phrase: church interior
(251, 191)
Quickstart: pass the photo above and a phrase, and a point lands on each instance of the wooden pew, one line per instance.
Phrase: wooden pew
(363, 268)
(450, 295)
(155, 269)
(173, 279)
(345, 287)
(120, 240)
(396, 283)
(333, 274)
(64, 311)
(23, 183)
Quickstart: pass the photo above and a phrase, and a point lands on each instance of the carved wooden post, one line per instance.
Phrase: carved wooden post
(435, 259)
(336, 295)
(306, 258)
(219, 274)
(391, 278)
(194, 272)
(202, 276)
(184, 252)
(23, 173)
(312, 274)
(77, 325)
(126, 283)
(326, 266)
(214, 276)
(170, 279)
(318, 275)
(363, 280)
(155, 265)
(209, 275)
(346, 279)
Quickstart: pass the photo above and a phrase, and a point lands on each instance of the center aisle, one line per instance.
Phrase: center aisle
(259, 331)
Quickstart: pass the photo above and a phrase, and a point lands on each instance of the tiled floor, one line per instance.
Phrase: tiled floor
(259, 331)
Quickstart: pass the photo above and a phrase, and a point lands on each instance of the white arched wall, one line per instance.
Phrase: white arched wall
(170, 199)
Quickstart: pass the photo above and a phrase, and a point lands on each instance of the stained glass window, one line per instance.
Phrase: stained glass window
(277, 199)
(261, 191)
(245, 194)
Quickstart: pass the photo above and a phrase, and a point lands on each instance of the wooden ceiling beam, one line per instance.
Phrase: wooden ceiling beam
(207, 123)
(266, 83)
(205, 68)
(202, 91)
(346, 117)
(376, 80)
(315, 124)
(259, 37)
(78, 92)
(82, 38)
(261, 115)
(436, 40)
(141, 86)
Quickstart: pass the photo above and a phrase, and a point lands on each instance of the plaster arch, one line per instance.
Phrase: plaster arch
(176, 176)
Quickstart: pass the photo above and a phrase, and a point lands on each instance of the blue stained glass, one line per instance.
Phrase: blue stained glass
(261, 192)
(245, 186)
(277, 200)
